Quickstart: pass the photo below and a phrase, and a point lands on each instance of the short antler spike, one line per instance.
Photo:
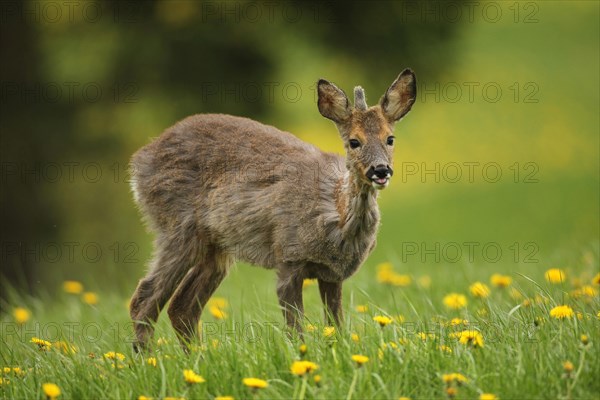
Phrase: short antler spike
(360, 102)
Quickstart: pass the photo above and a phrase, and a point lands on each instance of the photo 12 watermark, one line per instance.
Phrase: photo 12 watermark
(491, 12)
(69, 92)
(137, 12)
(468, 252)
(70, 252)
(469, 172)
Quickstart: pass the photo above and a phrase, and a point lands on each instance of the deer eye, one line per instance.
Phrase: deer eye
(390, 140)
(354, 143)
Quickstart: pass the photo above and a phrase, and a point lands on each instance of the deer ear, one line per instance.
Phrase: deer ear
(333, 102)
(400, 97)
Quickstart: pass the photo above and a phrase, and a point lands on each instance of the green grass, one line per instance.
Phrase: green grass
(522, 356)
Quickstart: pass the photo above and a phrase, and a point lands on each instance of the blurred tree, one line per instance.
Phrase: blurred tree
(170, 49)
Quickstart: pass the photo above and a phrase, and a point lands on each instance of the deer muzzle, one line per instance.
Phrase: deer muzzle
(380, 176)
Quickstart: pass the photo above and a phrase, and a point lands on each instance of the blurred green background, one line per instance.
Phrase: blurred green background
(509, 87)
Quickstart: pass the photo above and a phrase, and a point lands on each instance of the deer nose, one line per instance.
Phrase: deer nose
(382, 171)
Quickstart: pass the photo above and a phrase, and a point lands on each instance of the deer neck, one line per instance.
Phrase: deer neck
(356, 202)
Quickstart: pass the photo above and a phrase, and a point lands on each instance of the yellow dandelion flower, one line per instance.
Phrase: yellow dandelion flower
(360, 359)
(561, 312)
(596, 279)
(555, 275)
(255, 383)
(362, 308)
(382, 320)
(458, 321)
(90, 298)
(217, 313)
(487, 396)
(400, 280)
(516, 294)
(224, 398)
(585, 291)
(116, 359)
(51, 390)
(403, 398)
(384, 272)
(151, 361)
(568, 367)
(328, 331)
(455, 301)
(41, 343)
(471, 337)
(303, 349)
(317, 379)
(589, 291)
(220, 302)
(64, 347)
(191, 377)
(73, 287)
(445, 349)
(14, 370)
(479, 290)
(584, 339)
(111, 355)
(454, 377)
(308, 282)
(311, 328)
(142, 397)
(173, 398)
(424, 281)
(21, 315)
(301, 368)
(500, 280)
(355, 338)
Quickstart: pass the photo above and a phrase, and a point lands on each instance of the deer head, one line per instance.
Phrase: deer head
(368, 132)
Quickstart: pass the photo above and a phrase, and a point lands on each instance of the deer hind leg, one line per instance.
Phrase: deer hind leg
(168, 267)
(194, 292)
(331, 295)
(289, 291)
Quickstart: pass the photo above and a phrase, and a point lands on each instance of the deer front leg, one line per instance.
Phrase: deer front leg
(331, 295)
(289, 291)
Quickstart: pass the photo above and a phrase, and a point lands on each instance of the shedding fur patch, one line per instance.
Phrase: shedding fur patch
(134, 189)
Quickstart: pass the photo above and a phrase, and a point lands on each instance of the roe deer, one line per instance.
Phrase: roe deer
(217, 188)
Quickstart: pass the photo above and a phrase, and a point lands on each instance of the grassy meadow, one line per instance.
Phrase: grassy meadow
(479, 288)
(511, 336)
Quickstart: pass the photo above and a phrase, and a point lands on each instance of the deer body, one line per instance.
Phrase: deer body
(216, 188)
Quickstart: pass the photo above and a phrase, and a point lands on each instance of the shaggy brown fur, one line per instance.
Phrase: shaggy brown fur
(218, 188)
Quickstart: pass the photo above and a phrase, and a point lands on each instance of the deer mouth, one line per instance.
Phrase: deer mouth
(380, 183)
